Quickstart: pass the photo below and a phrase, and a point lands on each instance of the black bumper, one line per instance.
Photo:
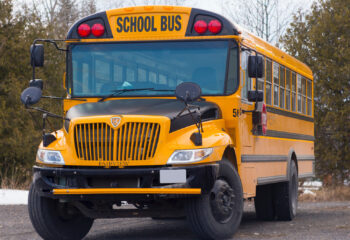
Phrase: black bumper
(46, 179)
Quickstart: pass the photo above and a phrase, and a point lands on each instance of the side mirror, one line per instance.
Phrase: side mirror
(255, 96)
(37, 55)
(188, 92)
(31, 95)
(256, 66)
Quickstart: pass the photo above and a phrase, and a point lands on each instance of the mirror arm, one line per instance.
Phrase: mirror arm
(49, 114)
(52, 41)
(62, 98)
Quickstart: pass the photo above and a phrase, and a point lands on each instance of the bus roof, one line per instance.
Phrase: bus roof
(274, 53)
(183, 20)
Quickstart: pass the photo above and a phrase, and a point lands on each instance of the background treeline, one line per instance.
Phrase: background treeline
(20, 131)
(320, 38)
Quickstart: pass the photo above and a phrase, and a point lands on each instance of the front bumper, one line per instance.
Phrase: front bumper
(126, 183)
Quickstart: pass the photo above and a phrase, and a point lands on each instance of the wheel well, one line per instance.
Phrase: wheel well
(230, 154)
(294, 158)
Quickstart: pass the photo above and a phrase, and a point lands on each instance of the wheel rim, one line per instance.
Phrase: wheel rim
(222, 201)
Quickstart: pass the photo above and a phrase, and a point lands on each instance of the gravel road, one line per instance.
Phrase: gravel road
(323, 220)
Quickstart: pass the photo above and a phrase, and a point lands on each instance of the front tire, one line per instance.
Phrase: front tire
(218, 214)
(54, 220)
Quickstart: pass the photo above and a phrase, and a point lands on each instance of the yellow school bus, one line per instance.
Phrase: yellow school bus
(180, 113)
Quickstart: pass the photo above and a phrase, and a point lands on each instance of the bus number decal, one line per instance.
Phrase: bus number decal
(148, 24)
(237, 112)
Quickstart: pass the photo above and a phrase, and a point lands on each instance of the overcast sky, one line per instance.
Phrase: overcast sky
(211, 5)
(287, 7)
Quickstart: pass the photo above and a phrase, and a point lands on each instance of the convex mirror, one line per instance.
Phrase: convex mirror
(31, 95)
(188, 92)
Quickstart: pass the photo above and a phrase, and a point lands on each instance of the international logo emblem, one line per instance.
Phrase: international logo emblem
(115, 121)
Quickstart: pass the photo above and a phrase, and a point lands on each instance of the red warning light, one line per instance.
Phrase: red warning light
(214, 26)
(84, 30)
(200, 27)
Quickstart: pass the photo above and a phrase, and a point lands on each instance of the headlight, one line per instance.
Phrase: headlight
(50, 156)
(189, 156)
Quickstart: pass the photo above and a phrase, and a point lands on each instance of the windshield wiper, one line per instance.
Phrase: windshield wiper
(120, 91)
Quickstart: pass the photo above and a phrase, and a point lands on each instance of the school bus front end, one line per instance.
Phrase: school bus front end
(157, 115)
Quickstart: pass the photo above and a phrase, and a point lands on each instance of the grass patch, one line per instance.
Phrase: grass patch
(15, 178)
(336, 193)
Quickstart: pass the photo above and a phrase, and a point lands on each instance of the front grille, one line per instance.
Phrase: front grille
(131, 141)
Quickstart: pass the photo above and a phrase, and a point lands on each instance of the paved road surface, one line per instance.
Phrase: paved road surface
(315, 221)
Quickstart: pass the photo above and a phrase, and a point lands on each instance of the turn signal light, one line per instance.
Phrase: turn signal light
(214, 26)
(98, 30)
(84, 30)
(200, 27)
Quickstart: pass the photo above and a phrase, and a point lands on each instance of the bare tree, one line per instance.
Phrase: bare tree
(67, 14)
(126, 3)
(88, 7)
(266, 18)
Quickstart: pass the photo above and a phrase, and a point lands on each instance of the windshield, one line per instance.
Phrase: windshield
(149, 69)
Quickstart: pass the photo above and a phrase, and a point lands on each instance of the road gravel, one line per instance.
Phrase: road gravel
(314, 221)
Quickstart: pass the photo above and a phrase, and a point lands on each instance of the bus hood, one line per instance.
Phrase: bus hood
(156, 107)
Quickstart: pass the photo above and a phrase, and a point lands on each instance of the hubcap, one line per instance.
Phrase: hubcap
(222, 201)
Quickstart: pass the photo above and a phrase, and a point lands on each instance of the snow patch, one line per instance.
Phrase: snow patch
(13, 197)
(309, 192)
(312, 184)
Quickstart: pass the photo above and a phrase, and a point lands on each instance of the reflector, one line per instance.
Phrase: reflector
(264, 119)
(200, 27)
(98, 30)
(214, 26)
(84, 30)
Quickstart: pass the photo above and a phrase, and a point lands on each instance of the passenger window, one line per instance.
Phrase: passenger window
(294, 90)
(288, 89)
(275, 83)
(299, 92)
(303, 95)
(309, 98)
(282, 85)
(118, 73)
(85, 78)
(268, 82)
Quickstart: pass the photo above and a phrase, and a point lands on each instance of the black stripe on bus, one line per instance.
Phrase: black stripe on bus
(280, 134)
(289, 114)
(264, 158)
(306, 158)
(273, 179)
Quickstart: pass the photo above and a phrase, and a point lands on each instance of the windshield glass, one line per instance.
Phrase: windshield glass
(149, 68)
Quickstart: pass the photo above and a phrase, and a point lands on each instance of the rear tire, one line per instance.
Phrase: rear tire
(286, 196)
(54, 220)
(217, 215)
(264, 207)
